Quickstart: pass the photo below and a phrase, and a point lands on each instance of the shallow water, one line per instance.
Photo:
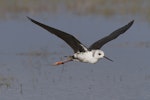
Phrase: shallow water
(27, 52)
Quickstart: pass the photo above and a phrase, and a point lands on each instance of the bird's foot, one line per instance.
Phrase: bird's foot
(58, 63)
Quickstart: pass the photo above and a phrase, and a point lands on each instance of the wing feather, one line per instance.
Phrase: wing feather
(75, 44)
(98, 44)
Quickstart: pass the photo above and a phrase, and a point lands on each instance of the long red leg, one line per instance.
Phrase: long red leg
(62, 62)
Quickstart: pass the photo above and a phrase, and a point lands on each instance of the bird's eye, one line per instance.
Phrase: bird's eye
(99, 53)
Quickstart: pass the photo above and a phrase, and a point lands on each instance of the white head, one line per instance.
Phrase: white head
(99, 54)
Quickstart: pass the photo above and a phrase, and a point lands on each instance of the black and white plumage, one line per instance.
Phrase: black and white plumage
(81, 52)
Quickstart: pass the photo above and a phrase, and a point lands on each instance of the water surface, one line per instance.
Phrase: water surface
(27, 52)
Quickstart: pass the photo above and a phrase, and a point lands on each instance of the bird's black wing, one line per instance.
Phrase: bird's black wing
(98, 44)
(75, 44)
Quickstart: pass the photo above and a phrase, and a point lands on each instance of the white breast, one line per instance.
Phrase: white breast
(86, 57)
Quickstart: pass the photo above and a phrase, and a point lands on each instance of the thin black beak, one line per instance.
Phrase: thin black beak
(108, 58)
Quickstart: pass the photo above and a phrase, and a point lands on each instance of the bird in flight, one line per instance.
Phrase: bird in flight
(82, 53)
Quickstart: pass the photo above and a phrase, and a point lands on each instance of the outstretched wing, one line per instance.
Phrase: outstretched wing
(75, 44)
(98, 44)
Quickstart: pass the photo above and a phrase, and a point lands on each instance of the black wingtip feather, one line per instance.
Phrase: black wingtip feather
(74, 43)
(126, 27)
(29, 18)
(98, 44)
(130, 23)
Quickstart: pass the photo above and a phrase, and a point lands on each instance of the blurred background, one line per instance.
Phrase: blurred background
(27, 51)
(112, 8)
